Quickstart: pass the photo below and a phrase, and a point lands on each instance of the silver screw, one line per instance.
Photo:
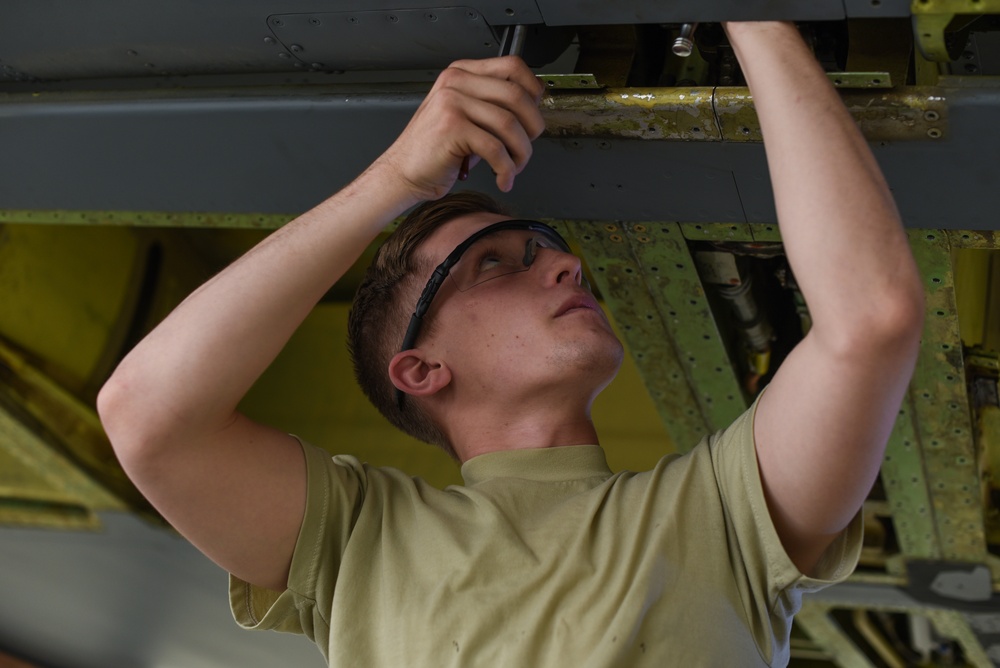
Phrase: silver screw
(684, 44)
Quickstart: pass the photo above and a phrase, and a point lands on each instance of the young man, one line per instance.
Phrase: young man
(544, 557)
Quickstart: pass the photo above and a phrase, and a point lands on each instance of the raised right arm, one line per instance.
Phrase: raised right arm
(235, 488)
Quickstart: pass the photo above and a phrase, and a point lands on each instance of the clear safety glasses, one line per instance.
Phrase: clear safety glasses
(494, 251)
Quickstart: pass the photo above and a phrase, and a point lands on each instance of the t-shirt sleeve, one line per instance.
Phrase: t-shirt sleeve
(334, 494)
(770, 585)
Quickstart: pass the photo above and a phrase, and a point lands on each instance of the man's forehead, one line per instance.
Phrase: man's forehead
(445, 238)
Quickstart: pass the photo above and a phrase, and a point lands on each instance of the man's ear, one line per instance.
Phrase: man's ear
(413, 374)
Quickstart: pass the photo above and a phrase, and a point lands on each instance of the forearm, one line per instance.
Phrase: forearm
(188, 375)
(840, 226)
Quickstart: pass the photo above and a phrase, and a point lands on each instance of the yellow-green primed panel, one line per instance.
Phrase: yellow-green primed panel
(972, 268)
(40, 487)
(941, 406)
(63, 289)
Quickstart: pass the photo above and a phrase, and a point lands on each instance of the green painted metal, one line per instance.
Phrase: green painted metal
(146, 218)
(636, 113)
(908, 484)
(717, 231)
(680, 297)
(72, 425)
(40, 486)
(765, 232)
(955, 625)
(569, 81)
(860, 79)
(974, 238)
(942, 417)
(651, 285)
(912, 113)
(815, 620)
(907, 488)
(932, 17)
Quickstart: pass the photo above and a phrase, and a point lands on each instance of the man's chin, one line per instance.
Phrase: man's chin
(596, 359)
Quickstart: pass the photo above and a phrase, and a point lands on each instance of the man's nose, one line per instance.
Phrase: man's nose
(559, 266)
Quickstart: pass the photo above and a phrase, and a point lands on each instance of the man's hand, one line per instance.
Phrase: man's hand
(484, 109)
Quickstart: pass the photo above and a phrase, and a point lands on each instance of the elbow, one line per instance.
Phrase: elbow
(112, 408)
(890, 327)
(903, 314)
(120, 410)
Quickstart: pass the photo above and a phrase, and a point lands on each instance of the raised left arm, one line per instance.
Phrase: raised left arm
(822, 426)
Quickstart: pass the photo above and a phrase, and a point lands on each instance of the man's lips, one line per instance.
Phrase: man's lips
(578, 302)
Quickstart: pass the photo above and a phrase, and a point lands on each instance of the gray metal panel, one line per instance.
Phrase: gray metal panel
(270, 155)
(49, 39)
(284, 154)
(420, 38)
(590, 12)
(131, 595)
(592, 179)
(877, 8)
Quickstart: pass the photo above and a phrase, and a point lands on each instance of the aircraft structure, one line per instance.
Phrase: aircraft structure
(147, 144)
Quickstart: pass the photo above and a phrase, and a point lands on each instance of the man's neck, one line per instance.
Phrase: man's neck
(491, 430)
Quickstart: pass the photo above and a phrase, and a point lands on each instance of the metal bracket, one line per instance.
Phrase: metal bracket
(569, 81)
(860, 79)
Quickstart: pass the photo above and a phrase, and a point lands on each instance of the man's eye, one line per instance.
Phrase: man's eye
(489, 260)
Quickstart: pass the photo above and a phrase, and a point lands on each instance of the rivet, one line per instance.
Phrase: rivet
(431, 17)
(643, 239)
(132, 52)
(934, 133)
(639, 228)
(611, 228)
(393, 18)
(316, 66)
(931, 115)
(267, 40)
(471, 15)
(617, 238)
(150, 65)
(296, 48)
(277, 22)
(282, 54)
(315, 22)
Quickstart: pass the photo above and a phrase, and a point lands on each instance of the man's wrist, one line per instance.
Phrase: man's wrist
(390, 188)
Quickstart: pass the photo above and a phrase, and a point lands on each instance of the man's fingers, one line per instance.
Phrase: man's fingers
(494, 152)
(484, 84)
(511, 68)
(505, 126)
(474, 110)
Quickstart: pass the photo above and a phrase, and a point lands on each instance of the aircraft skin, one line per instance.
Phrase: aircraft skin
(147, 145)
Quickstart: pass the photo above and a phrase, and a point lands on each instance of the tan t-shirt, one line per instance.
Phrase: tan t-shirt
(544, 558)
